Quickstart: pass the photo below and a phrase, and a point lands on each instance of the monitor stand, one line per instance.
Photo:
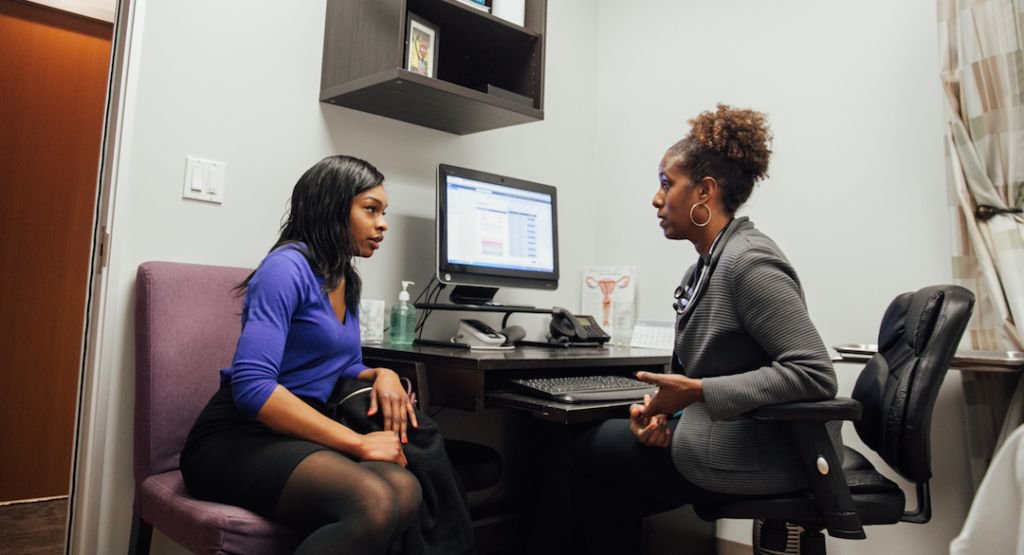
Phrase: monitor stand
(472, 294)
(479, 298)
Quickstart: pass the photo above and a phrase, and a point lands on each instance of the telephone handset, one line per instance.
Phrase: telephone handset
(568, 328)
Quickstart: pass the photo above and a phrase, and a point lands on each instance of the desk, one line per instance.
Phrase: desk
(476, 380)
(529, 432)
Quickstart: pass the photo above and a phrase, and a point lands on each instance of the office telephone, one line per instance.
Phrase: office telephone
(580, 328)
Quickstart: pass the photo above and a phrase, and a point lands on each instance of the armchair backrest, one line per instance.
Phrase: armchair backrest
(187, 323)
(917, 340)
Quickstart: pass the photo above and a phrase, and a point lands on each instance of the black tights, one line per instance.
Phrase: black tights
(348, 506)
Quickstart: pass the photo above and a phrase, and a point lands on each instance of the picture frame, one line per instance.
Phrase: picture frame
(421, 39)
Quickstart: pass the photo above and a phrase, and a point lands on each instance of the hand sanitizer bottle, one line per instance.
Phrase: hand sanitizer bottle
(403, 318)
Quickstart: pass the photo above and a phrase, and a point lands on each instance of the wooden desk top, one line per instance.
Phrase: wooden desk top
(474, 380)
(523, 357)
(965, 361)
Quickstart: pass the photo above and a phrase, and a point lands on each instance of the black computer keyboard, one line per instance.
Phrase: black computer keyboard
(584, 389)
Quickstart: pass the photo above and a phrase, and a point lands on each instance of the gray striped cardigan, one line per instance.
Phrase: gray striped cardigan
(750, 339)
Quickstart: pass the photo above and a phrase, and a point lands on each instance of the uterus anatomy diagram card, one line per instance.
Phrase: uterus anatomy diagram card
(609, 295)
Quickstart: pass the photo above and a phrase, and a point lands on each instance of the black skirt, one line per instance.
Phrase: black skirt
(233, 459)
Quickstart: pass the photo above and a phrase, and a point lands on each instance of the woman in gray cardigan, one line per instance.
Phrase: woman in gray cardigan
(743, 340)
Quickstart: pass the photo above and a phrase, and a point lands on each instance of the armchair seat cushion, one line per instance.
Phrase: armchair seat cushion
(801, 508)
(878, 499)
(869, 481)
(861, 476)
(205, 527)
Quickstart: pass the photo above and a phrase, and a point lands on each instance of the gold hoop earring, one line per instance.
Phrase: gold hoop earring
(706, 207)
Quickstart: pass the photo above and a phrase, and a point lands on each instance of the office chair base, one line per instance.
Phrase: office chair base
(776, 537)
(812, 542)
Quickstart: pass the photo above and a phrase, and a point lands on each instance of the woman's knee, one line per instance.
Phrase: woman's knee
(375, 508)
(408, 493)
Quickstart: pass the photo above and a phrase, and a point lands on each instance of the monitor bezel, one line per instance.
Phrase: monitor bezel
(457, 274)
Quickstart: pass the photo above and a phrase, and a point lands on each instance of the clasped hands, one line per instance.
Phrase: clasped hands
(649, 421)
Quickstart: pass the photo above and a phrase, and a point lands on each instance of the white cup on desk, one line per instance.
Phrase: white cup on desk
(371, 320)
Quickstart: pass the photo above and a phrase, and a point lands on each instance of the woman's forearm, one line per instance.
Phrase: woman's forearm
(284, 412)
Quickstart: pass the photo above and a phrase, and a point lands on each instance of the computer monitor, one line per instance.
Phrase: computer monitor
(494, 231)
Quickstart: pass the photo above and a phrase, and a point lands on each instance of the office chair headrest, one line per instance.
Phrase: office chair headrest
(911, 317)
(893, 322)
(922, 316)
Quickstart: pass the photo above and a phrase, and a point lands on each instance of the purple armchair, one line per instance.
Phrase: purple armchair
(186, 326)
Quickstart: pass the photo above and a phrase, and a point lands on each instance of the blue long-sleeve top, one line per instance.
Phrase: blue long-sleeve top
(290, 335)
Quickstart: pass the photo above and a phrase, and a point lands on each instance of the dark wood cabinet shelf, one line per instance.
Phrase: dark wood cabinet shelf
(410, 97)
(365, 46)
(461, 16)
(443, 9)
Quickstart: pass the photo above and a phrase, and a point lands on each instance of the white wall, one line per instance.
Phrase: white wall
(238, 82)
(856, 195)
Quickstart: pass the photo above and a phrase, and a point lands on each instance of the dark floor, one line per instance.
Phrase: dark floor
(33, 528)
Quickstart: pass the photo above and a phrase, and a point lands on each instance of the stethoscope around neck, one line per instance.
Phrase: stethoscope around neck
(686, 295)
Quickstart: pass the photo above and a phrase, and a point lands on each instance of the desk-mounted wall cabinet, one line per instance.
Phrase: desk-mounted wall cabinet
(480, 60)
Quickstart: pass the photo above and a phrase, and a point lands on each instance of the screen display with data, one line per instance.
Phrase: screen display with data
(494, 228)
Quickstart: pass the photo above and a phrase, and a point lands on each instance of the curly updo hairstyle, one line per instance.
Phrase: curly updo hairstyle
(731, 145)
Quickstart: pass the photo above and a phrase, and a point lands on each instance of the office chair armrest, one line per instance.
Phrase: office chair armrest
(840, 408)
(825, 475)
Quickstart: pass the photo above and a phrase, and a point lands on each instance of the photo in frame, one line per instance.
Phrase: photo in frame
(422, 37)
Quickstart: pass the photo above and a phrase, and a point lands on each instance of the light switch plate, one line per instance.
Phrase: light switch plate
(204, 180)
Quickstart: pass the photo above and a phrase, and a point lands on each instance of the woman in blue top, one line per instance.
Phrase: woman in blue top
(264, 441)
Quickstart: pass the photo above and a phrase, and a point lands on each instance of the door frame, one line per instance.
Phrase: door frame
(85, 507)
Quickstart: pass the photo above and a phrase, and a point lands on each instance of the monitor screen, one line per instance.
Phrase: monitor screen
(495, 231)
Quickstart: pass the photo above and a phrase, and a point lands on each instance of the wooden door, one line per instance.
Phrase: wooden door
(54, 69)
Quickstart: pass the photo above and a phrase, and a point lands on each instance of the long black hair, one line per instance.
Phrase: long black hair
(318, 219)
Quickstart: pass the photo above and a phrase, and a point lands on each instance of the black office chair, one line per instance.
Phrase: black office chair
(892, 410)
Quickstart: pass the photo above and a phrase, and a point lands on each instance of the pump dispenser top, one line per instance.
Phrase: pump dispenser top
(403, 295)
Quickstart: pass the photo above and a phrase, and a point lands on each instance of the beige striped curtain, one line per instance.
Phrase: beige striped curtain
(982, 57)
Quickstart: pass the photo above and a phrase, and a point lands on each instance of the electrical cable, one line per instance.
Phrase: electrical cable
(431, 299)
(437, 293)
(425, 291)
